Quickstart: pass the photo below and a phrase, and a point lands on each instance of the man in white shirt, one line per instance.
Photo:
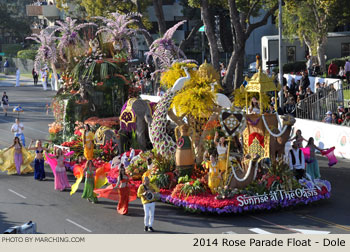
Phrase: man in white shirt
(297, 161)
(17, 128)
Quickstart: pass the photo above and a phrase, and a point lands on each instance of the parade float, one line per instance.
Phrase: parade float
(211, 156)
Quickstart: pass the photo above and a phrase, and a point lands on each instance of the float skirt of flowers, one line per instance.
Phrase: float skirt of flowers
(207, 203)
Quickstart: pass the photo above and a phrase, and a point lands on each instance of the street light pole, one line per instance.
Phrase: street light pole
(280, 65)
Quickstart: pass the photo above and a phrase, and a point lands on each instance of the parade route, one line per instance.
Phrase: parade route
(23, 199)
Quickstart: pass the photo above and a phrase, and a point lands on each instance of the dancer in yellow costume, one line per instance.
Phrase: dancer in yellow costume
(221, 149)
(16, 159)
(214, 177)
(88, 142)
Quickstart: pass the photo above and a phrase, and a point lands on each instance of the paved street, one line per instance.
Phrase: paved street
(23, 199)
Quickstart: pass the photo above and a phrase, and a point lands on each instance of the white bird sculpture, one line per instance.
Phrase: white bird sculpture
(180, 82)
(221, 99)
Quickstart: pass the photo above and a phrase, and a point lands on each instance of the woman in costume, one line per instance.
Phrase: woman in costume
(221, 148)
(254, 108)
(16, 159)
(122, 186)
(88, 143)
(89, 185)
(39, 172)
(18, 156)
(123, 192)
(298, 138)
(311, 163)
(59, 170)
(214, 177)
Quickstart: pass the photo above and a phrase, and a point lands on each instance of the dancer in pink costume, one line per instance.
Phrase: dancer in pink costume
(59, 170)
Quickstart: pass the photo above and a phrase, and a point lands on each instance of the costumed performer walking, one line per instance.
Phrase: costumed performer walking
(59, 170)
(89, 185)
(312, 167)
(16, 159)
(146, 193)
(39, 171)
(123, 192)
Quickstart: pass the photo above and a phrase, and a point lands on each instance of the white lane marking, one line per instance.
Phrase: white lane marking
(88, 230)
(229, 232)
(259, 231)
(20, 195)
(306, 231)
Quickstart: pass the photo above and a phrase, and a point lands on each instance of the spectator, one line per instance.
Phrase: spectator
(309, 65)
(308, 92)
(5, 103)
(160, 92)
(271, 109)
(319, 91)
(341, 74)
(332, 70)
(341, 119)
(222, 70)
(301, 94)
(334, 118)
(6, 67)
(347, 120)
(293, 88)
(340, 110)
(18, 76)
(347, 70)
(328, 118)
(305, 82)
(35, 77)
(290, 105)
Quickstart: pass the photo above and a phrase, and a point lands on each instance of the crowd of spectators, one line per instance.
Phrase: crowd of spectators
(340, 117)
(142, 79)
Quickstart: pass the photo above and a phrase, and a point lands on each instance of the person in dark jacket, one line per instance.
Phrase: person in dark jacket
(305, 82)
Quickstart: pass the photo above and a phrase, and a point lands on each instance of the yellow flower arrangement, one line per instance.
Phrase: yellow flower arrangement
(169, 77)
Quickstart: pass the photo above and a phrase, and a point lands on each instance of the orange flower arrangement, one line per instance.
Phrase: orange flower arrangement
(108, 122)
(212, 125)
(55, 127)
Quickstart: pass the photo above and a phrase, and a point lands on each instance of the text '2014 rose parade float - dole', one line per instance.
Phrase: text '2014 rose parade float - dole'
(206, 152)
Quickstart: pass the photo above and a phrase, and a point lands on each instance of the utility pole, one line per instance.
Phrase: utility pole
(280, 65)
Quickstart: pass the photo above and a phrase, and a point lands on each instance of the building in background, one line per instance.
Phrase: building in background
(338, 45)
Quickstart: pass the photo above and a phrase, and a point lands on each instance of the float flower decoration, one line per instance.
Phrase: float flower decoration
(164, 51)
(117, 29)
(47, 52)
(69, 31)
(209, 203)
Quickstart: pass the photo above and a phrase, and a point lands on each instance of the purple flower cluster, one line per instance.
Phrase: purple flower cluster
(239, 209)
(164, 51)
